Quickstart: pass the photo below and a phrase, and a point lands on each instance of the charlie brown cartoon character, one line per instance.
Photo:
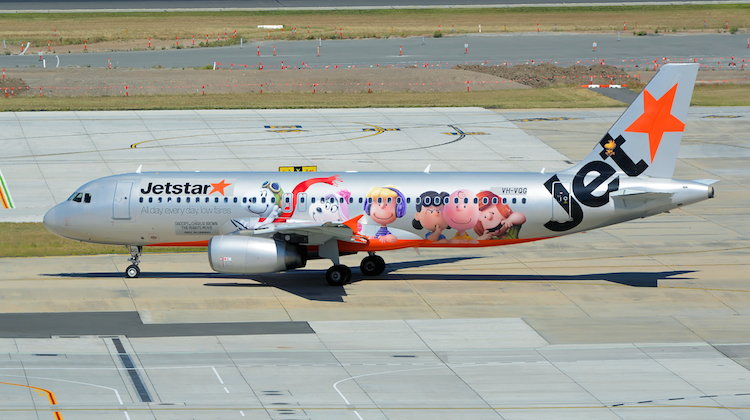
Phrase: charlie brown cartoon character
(430, 215)
(497, 220)
(462, 214)
(384, 205)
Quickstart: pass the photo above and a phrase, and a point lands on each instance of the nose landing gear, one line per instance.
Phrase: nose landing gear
(135, 258)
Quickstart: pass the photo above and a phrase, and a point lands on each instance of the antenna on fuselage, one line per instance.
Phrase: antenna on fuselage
(427, 169)
(139, 169)
(543, 169)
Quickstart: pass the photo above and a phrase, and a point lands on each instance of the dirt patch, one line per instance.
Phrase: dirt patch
(11, 86)
(545, 75)
(103, 82)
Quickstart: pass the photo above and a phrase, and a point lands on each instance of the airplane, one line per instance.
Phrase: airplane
(255, 222)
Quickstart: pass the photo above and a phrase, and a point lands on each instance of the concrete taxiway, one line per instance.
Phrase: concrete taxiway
(643, 320)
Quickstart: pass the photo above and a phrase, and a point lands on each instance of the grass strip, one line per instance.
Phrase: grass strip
(567, 97)
(63, 29)
(563, 97)
(34, 240)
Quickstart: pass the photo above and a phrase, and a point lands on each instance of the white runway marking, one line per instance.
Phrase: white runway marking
(221, 381)
(225, 389)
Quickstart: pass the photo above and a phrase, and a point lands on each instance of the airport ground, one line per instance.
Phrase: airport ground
(646, 319)
(643, 320)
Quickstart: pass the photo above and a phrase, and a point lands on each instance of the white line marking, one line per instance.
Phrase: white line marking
(127, 416)
(117, 394)
(346, 401)
(225, 389)
(221, 381)
(242, 413)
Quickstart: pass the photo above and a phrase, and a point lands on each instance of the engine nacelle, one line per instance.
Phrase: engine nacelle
(249, 255)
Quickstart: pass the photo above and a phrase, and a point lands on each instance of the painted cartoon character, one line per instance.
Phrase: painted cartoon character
(462, 214)
(497, 220)
(384, 205)
(333, 208)
(430, 215)
(302, 187)
(267, 205)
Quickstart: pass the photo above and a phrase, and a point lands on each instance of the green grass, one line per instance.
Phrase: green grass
(34, 240)
(561, 97)
(65, 29)
(568, 97)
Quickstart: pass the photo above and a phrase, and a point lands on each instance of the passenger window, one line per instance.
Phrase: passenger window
(216, 199)
(226, 199)
(234, 199)
(302, 199)
(206, 200)
(178, 199)
(361, 200)
(140, 200)
(514, 200)
(312, 200)
(187, 199)
(159, 199)
(262, 200)
(151, 199)
(408, 200)
(523, 201)
(169, 199)
(476, 200)
(446, 200)
(505, 200)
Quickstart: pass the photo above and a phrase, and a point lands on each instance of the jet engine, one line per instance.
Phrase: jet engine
(237, 254)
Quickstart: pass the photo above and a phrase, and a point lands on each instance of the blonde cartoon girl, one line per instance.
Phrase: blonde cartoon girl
(384, 205)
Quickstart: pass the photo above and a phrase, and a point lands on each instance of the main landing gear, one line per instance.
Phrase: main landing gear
(135, 258)
(339, 274)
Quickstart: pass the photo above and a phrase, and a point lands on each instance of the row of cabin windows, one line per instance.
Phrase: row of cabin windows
(287, 200)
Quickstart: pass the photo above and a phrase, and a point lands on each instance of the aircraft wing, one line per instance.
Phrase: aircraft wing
(307, 233)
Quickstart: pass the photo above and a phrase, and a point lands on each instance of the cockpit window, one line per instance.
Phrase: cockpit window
(86, 198)
(77, 197)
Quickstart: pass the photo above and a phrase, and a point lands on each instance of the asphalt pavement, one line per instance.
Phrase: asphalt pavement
(712, 50)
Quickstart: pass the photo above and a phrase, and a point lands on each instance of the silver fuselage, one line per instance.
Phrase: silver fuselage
(189, 208)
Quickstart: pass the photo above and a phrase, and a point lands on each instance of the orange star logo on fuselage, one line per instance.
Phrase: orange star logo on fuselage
(219, 187)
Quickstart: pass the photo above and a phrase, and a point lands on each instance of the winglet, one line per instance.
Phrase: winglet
(353, 223)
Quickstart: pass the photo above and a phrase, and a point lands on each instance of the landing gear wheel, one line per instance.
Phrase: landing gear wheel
(338, 275)
(132, 271)
(372, 265)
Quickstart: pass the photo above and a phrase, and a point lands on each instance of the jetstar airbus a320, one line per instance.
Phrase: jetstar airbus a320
(267, 222)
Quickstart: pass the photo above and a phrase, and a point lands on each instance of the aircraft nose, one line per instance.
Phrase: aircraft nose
(53, 221)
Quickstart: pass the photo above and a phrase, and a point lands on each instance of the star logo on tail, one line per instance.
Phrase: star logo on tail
(657, 119)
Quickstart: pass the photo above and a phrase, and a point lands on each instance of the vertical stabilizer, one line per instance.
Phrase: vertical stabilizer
(646, 138)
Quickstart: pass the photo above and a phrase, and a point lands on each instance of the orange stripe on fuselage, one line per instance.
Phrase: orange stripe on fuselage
(375, 245)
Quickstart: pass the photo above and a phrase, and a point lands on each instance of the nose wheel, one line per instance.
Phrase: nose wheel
(135, 258)
(372, 265)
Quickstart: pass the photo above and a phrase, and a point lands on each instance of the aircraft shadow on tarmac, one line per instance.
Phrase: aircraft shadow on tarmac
(309, 284)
